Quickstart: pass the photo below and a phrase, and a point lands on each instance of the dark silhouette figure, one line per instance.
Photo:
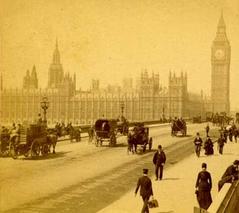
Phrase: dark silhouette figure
(221, 141)
(203, 188)
(198, 143)
(229, 175)
(208, 146)
(159, 161)
(145, 185)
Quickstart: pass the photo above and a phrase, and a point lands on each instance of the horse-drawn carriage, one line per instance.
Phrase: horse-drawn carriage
(178, 125)
(105, 130)
(139, 135)
(33, 140)
(221, 119)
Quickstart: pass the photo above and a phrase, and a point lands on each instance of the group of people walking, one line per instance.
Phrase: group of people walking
(204, 179)
(144, 182)
(208, 144)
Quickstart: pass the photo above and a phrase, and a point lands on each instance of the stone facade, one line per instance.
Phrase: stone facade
(30, 81)
(148, 100)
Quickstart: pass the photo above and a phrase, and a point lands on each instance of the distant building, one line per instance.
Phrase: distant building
(30, 81)
(220, 61)
(127, 84)
(178, 95)
(148, 100)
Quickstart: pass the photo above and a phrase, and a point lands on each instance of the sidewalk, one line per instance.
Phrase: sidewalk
(176, 192)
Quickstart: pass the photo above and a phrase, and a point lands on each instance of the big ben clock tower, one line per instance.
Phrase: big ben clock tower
(220, 60)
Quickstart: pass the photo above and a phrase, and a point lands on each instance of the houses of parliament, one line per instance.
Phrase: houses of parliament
(148, 100)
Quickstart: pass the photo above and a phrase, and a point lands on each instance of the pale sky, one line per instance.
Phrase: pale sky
(113, 39)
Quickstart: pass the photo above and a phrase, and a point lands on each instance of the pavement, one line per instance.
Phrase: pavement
(176, 192)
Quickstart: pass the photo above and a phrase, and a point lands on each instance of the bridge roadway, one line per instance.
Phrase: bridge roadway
(81, 177)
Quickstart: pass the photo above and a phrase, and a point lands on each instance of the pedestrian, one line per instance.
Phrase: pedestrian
(230, 134)
(208, 146)
(236, 133)
(130, 143)
(146, 190)
(78, 134)
(203, 187)
(220, 142)
(229, 175)
(91, 133)
(207, 129)
(159, 160)
(225, 133)
(198, 144)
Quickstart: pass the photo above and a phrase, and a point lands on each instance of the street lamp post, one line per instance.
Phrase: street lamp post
(44, 106)
(122, 108)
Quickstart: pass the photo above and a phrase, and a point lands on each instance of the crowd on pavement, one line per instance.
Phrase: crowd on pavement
(203, 184)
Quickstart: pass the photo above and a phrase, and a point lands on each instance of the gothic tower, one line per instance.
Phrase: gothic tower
(220, 75)
(34, 79)
(178, 95)
(30, 81)
(56, 73)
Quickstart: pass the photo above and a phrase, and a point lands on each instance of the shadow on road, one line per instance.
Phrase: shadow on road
(170, 179)
(46, 157)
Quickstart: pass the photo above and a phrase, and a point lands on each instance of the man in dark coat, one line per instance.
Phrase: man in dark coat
(197, 144)
(221, 141)
(159, 161)
(229, 175)
(207, 129)
(146, 190)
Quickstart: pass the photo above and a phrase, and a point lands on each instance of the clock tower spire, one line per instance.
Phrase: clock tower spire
(220, 63)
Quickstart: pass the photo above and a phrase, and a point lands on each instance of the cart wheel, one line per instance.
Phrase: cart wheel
(35, 149)
(26, 154)
(12, 150)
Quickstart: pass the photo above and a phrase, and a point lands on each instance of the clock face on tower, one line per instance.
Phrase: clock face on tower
(219, 54)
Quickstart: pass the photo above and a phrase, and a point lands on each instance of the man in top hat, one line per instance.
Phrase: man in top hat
(159, 160)
(220, 142)
(197, 144)
(146, 190)
(229, 175)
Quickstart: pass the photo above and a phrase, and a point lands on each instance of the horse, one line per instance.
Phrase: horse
(52, 141)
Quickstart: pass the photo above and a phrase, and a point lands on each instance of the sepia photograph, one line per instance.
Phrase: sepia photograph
(119, 106)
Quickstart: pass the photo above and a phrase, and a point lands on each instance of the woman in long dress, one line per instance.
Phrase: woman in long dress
(203, 187)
